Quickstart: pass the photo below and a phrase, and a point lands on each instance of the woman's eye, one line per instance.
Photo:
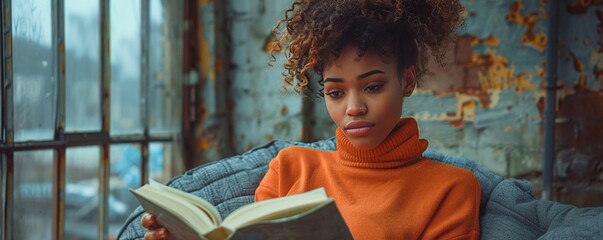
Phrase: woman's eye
(374, 88)
(334, 94)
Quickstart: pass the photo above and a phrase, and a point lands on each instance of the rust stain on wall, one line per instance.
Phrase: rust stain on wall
(580, 6)
(579, 68)
(495, 72)
(540, 105)
(529, 38)
(597, 56)
(599, 14)
(488, 41)
(284, 110)
(203, 143)
(465, 111)
(268, 138)
(205, 62)
(209, 139)
(576, 126)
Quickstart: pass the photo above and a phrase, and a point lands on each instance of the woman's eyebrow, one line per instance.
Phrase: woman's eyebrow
(361, 76)
(366, 74)
(330, 79)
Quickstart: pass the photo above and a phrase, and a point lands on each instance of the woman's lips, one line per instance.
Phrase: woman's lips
(358, 128)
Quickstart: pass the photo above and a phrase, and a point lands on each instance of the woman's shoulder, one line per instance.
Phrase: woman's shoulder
(448, 172)
(455, 181)
(302, 150)
(295, 155)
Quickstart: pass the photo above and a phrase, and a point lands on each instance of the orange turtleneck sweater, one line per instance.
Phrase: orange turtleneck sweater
(389, 192)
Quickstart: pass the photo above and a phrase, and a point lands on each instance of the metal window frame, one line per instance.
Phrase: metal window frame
(7, 116)
(59, 168)
(105, 83)
(63, 140)
(145, 72)
(3, 171)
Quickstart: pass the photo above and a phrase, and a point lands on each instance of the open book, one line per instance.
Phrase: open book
(186, 216)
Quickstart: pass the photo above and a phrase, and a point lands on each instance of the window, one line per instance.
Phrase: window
(91, 106)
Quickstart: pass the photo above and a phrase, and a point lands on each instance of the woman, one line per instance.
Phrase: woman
(367, 56)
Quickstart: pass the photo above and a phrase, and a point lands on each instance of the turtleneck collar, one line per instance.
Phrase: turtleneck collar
(401, 147)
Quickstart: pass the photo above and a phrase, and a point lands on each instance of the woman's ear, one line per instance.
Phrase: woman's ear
(409, 81)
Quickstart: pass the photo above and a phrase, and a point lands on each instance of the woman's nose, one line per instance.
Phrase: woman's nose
(356, 106)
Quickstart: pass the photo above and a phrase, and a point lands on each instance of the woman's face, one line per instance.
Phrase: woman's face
(364, 97)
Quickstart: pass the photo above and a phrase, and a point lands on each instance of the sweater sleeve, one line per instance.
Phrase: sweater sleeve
(265, 189)
(268, 187)
(457, 217)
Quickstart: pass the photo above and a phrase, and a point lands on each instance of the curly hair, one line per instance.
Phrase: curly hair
(317, 30)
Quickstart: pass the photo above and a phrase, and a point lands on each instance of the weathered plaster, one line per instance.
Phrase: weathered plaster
(261, 111)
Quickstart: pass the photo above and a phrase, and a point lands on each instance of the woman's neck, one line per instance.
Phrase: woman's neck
(399, 148)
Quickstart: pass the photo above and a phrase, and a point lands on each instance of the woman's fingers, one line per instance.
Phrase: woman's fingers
(148, 221)
(156, 234)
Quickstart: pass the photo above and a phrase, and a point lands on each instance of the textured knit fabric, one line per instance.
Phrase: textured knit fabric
(389, 192)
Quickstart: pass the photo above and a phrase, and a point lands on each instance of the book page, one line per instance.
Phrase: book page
(274, 208)
(201, 203)
(324, 222)
(177, 215)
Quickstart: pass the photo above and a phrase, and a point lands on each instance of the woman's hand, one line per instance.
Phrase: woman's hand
(155, 232)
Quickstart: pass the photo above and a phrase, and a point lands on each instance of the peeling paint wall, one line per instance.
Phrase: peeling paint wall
(209, 113)
(579, 130)
(485, 104)
(261, 112)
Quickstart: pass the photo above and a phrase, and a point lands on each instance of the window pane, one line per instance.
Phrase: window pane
(164, 97)
(34, 83)
(32, 199)
(81, 193)
(165, 161)
(82, 34)
(125, 67)
(125, 173)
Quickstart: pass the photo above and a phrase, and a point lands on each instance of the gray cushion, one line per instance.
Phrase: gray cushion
(508, 209)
